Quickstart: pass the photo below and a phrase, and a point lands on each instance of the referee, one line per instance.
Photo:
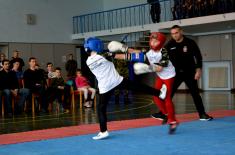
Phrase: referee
(187, 59)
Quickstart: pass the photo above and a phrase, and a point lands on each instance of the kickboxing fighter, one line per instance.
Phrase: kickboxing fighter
(109, 79)
(159, 62)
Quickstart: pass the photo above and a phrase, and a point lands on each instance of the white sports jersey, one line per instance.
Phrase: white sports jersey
(105, 72)
(155, 57)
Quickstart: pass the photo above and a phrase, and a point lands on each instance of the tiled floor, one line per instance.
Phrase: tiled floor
(140, 106)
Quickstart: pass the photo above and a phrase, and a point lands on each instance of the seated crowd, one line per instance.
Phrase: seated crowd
(19, 87)
(194, 8)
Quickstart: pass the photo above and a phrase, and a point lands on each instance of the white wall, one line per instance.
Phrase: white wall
(53, 19)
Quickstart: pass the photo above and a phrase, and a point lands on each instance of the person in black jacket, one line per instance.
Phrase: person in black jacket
(71, 68)
(155, 10)
(10, 87)
(34, 80)
(187, 59)
(55, 90)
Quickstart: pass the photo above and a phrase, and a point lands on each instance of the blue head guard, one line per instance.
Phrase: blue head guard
(94, 44)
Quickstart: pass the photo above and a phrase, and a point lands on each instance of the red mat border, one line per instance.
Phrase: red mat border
(37, 135)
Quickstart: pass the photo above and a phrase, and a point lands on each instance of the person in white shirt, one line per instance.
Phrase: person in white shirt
(109, 79)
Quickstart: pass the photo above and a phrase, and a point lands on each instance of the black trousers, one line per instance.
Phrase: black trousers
(54, 93)
(42, 98)
(155, 12)
(67, 92)
(192, 85)
(125, 84)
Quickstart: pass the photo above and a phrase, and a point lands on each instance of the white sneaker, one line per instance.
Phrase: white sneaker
(163, 92)
(87, 105)
(101, 135)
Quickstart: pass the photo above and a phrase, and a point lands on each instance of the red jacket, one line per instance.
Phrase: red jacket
(81, 82)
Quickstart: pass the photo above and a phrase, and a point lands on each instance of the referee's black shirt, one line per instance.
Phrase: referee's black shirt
(185, 56)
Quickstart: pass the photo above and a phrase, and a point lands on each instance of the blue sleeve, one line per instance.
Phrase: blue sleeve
(137, 57)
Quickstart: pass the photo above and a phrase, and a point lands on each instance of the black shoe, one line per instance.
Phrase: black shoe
(160, 116)
(205, 117)
(172, 127)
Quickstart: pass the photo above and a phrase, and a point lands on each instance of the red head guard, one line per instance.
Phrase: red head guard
(158, 36)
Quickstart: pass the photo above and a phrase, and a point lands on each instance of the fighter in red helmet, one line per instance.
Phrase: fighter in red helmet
(159, 62)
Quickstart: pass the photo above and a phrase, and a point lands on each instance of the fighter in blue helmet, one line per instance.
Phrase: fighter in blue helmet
(108, 80)
(94, 44)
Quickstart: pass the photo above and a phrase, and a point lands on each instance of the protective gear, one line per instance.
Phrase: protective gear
(142, 68)
(115, 46)
(94, 44)
(158, 36)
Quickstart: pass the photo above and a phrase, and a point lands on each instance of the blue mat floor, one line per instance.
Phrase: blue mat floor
(215, 137)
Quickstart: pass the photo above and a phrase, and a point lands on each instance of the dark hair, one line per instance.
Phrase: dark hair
(49, 63)
(5, 60)
(15, 60)
(58, 68)
(32, 58)
(79, 70)
(176, 27)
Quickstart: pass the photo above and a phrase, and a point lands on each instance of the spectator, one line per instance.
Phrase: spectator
(8, 85)
(56, 88)
(71, 67)
(177, 10)
(16, 65)
(43, 73)
(200, 8)
(34, 80)
(189, 8)
(2, 57)
(50, 71)
(16, 57)
(84, 86)
(155, 10)
(225, 6)
(214, 7)
(10, 88)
